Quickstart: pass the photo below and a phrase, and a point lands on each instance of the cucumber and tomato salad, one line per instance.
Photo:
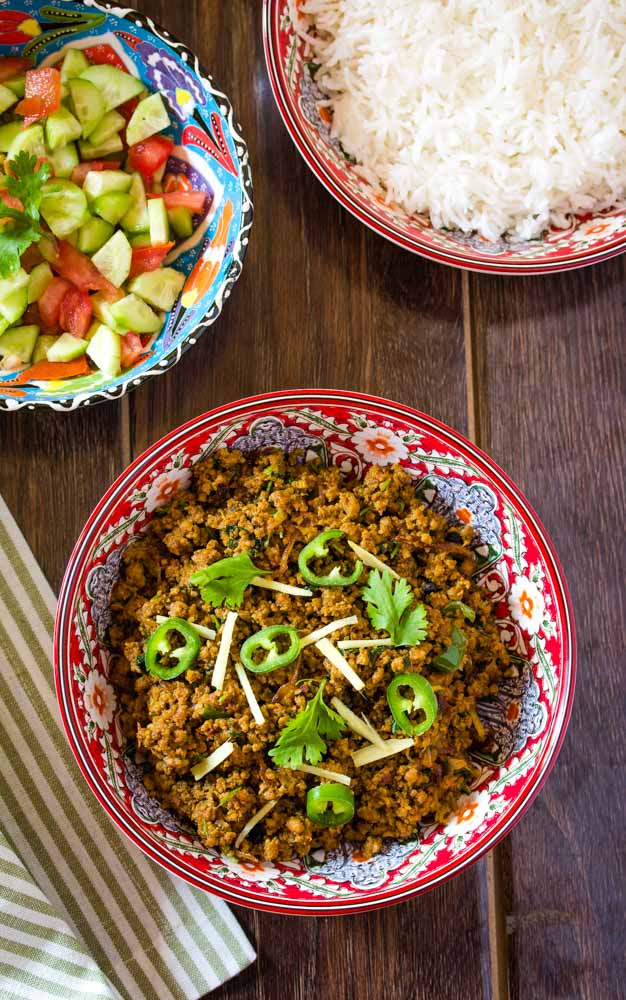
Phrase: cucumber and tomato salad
(86, 216)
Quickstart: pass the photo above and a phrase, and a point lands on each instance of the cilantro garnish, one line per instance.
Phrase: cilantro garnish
(226, 580)
(303, 735)
(388, 604)
(20, 227)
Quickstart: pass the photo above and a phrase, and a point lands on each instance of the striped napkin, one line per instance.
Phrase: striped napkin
(83, 914)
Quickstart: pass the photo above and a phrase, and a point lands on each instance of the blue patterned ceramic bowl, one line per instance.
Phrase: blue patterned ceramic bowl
(209, 151)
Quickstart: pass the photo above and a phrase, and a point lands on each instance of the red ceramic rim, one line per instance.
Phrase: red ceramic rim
(472, 260)
(241, 895)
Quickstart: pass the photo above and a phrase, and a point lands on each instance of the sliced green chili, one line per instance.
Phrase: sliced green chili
(452, 657)
(214, 713)
(318, 549)
(424, 699)
(266, 640)
(159, 647)
(330, 805)
(465, 610)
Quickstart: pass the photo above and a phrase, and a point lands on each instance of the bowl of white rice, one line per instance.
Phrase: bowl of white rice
(488, 136)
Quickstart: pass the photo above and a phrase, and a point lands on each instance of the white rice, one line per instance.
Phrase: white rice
(495, 116)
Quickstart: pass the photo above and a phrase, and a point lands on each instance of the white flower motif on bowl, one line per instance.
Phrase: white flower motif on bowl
(471, 811)
(380, 446)
(165, 487)
(527, 604)
(100, 700)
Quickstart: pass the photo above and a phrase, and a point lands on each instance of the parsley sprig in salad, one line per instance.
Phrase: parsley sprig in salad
(20, 228)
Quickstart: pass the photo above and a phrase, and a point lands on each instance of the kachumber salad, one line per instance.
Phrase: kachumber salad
(87, 216)
(299, 657)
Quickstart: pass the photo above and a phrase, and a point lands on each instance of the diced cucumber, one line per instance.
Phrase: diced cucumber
(43, 345)
(14, 296)
(63, 206)
(74, 63)
(88, 103)
(17, 85)
(67, 348)
(29, 140)
(93, 235)
(102, 311)
(105, 350)
(181, 221)
(113, 259)
(8, 133)
(149, 117)
(111, 124)
(90, 152)
(159, 223)
(113, 206)
(64, 160)
(99, 182)
(19, 340)
(158, 288)
(7, 98)
(39, 279)
(61, 128)
(115, 85)
(132, 313)
(141, 240)
(47, 248)
(136, 219)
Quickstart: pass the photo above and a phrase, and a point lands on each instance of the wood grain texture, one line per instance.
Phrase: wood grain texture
(551, 370)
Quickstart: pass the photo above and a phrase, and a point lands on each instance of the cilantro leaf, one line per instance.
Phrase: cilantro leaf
(20, 227)
(226, 580)
(303, 735)
(388, 602)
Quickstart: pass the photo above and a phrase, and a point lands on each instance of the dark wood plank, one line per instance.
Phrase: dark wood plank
(550, 358)
(54, 467)
(323, 302)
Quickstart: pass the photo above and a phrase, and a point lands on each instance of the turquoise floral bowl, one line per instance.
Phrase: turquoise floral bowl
(209, 151)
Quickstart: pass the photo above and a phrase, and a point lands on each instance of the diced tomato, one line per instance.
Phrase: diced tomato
(195, 201)
(127, 109)
(80, 172)
(10, 201)
(76, 267)
(176, 182)
(148, 258)
(131, 349)
(75, 313)
(147, 157)
(42, 96)
(50, 303)
(100, 55)
(13, 66)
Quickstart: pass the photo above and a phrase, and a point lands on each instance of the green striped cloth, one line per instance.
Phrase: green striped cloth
(83, 914)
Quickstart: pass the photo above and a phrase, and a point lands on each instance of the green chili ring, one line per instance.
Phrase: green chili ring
(330, 805)
(318, 549)
(159, 645)
(424, 698)
(265, 639)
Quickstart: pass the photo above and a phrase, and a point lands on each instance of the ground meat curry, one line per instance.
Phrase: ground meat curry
(270, 507)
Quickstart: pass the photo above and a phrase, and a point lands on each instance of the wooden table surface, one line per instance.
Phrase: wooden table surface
(532, 370)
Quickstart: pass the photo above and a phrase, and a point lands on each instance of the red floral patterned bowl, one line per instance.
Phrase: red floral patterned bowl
(587, 239)
(517, 566)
